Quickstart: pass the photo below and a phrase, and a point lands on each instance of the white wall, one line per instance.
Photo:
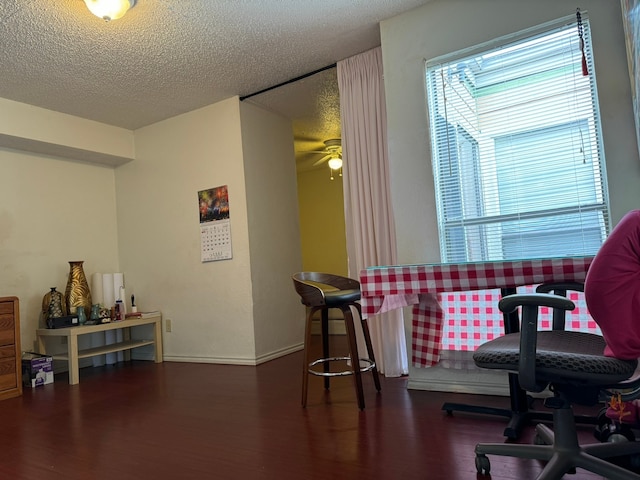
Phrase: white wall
(444, 26)
(141, 218)
(209, 304)
(240, 310)
(52, 211)
(274, 232)
(28, 128)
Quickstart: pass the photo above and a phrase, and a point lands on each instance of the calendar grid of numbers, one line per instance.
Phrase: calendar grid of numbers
(215, 239)
(215, 226)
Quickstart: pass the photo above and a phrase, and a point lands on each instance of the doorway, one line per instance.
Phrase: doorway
(312, 104)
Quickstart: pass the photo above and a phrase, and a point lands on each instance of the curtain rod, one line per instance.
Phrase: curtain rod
(333, 65)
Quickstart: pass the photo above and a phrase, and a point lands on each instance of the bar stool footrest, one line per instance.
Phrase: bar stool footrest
(370, 365)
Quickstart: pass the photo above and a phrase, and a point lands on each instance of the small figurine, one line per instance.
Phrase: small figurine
(619, 409)
(105, 315)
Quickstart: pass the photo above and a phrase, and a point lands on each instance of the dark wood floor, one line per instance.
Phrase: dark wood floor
(142, 420)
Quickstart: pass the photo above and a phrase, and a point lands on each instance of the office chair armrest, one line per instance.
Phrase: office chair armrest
(530, 303)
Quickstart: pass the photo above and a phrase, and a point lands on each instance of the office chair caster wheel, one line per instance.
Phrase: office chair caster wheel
(602, 425)
(602, 418)
(614, 432)
(483, 466)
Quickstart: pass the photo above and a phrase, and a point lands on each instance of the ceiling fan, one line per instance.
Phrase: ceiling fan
(332, 154)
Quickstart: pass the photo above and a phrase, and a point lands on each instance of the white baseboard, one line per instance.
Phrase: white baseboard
(236, 360)
(61, 366)
(439, 379)
(279, 353)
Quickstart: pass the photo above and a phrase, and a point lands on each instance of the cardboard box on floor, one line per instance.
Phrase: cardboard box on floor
(37, 369)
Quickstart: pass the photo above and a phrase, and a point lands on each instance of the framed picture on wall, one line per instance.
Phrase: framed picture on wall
(631, 23)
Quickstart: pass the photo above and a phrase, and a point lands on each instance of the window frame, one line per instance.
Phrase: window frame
(480, 248)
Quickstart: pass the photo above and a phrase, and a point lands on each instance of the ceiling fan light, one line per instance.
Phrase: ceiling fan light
(335, 163)
(109, 9)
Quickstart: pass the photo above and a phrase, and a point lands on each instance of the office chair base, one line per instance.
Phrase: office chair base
(517, 420)
(562, 452)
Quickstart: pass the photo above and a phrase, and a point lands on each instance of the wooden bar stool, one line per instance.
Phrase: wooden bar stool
(320, 292)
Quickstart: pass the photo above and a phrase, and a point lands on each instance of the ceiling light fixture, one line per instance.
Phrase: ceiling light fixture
(109, 9)
(335, 163)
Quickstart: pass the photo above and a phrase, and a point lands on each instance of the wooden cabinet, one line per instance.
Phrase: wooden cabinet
(10, 357)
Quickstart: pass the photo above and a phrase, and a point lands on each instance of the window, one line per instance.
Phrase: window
(517, 156)
(517, 161)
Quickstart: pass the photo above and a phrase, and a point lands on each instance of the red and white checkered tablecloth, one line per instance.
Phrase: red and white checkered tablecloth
(387, 287)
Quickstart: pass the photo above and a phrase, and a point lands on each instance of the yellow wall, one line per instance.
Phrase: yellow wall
(322, 231)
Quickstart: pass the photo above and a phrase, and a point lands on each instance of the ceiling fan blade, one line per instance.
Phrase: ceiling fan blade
(310, 156)
(322, 160)
(304, 138)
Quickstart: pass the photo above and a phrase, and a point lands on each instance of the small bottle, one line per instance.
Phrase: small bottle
(119, 310)
(134, 307)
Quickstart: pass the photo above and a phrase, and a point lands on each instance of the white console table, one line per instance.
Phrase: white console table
(72, 334)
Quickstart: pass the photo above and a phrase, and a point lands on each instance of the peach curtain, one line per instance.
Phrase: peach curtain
(370, 227)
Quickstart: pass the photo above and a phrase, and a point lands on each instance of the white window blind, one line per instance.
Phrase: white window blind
(516, 147)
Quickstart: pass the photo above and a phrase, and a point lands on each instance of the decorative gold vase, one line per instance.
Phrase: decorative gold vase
(77, 293)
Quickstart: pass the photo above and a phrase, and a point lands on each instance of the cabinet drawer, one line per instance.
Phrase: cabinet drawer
(7, 330)
(7, 352)
(6, 308)
(8, 378)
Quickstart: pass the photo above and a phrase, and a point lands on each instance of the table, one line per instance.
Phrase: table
(387, 287)
(384, 288)
(73, 354)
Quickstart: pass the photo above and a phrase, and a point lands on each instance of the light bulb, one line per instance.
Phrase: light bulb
(335, 163)
(109, 9)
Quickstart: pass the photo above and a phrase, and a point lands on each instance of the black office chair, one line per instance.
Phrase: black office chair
(558, 322)
(520, 413)
(572, 365)
(320, 292)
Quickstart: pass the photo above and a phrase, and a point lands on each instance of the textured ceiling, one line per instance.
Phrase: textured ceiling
(313, 105)
(167, 57)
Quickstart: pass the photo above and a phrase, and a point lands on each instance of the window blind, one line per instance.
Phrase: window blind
(517, 154)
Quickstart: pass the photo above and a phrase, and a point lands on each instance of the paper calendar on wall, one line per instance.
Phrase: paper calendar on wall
(215, 224)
